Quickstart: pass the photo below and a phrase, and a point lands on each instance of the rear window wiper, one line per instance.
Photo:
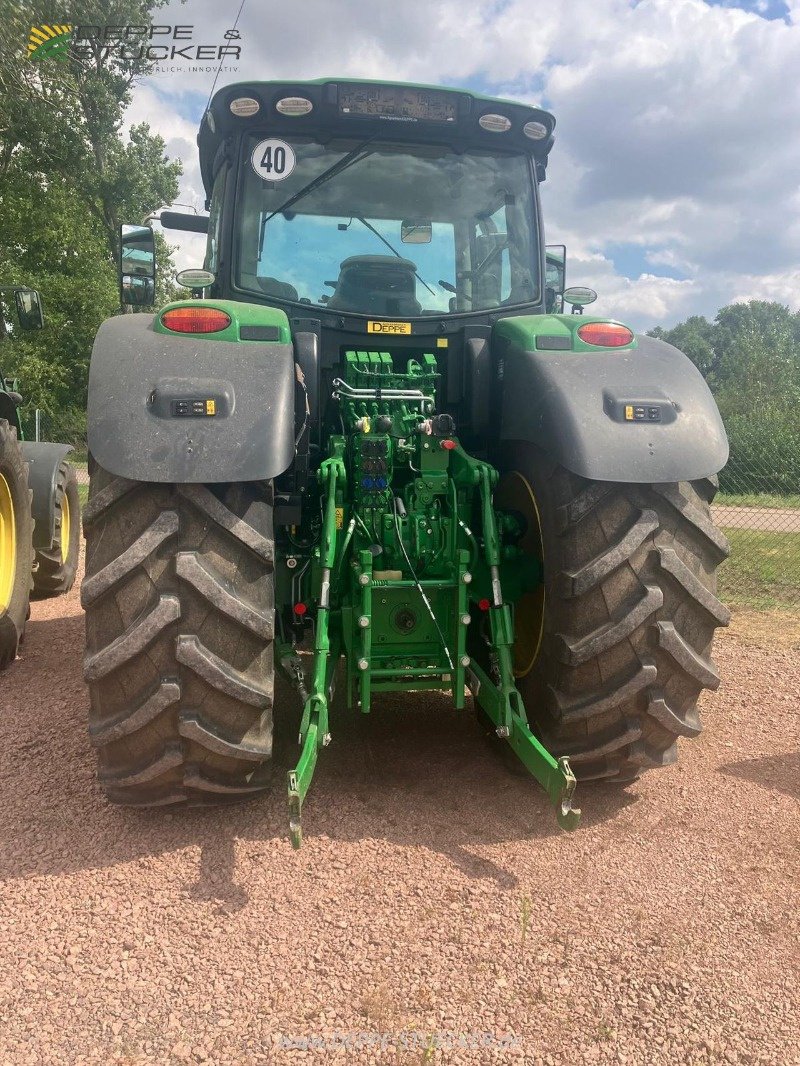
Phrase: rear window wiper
(354, 156)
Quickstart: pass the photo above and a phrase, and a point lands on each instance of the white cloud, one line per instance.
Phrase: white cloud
(678, 122)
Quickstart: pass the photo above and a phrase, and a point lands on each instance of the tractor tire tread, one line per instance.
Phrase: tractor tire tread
(194, 728)
(614, 693)
(619, 627)
(698, 517)
(168, 759)
(193, 653)
(133, 640)
(211, 586)
(53, 575)
(630, 614)
(14, 615)
(577, 582)
(137, 715)
(686, 657)
(179, 600)
(194, 778)
(670, 562)
(98, 503)
(209, 504)
(165, 525)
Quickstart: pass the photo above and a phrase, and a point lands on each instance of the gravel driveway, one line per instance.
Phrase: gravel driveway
(762, 519)
(434, 900)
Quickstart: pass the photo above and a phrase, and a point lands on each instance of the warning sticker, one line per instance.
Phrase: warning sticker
(273, 160)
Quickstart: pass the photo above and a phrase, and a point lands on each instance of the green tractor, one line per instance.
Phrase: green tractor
(370, 434)
(39, 504)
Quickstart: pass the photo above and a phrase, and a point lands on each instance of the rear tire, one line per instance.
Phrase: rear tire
(16, 544)
(629, 616)
(179, 607)
(55, 569)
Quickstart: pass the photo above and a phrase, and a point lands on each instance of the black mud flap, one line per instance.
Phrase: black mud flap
(189, 409)
(639, 415)
(43, 461)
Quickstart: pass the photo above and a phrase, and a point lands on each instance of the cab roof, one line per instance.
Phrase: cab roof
(404, 111)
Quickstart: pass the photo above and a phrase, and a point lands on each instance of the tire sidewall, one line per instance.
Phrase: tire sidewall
(536, 468)
(70, 490)
(15, 470)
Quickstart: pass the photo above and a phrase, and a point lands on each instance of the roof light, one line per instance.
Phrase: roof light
(244, 106)
(195, 319)
(495, 123)
(535, 130)
(605, 334)
(294, 106)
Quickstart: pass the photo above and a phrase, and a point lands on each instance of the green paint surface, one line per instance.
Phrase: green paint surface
(522, 330)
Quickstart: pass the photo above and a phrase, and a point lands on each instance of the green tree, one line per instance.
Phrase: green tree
(69, 116)
(695, 338)
(750, 357)
(67, 259)
(68, 177)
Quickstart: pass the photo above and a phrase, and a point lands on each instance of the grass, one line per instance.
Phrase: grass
(83, 494)
(755, 499)
(763, 571)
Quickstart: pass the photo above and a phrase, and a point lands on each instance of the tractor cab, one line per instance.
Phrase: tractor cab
(410, 202)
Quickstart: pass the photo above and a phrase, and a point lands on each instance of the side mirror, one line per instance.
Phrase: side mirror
(555, 272)
(578, 297)
(181, 220)
(29, 308)
(556, 267)
(419, 232)
(137, 266)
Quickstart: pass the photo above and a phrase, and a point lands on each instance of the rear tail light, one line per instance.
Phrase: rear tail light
(195, 319)
(606, 334)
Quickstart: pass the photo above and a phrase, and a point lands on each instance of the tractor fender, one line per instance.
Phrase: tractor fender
(187, 408)
(642, 414)
(43, 461)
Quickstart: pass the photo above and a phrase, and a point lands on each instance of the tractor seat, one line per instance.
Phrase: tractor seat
(376, 284)
(282, 290)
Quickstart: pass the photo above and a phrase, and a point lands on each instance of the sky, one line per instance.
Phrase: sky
(673, 180)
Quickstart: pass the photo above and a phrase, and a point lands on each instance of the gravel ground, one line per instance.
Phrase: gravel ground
(435, 913)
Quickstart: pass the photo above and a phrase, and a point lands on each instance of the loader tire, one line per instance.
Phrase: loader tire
(179, 604)
(612, 663)
(55, 568)
(16, 544)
